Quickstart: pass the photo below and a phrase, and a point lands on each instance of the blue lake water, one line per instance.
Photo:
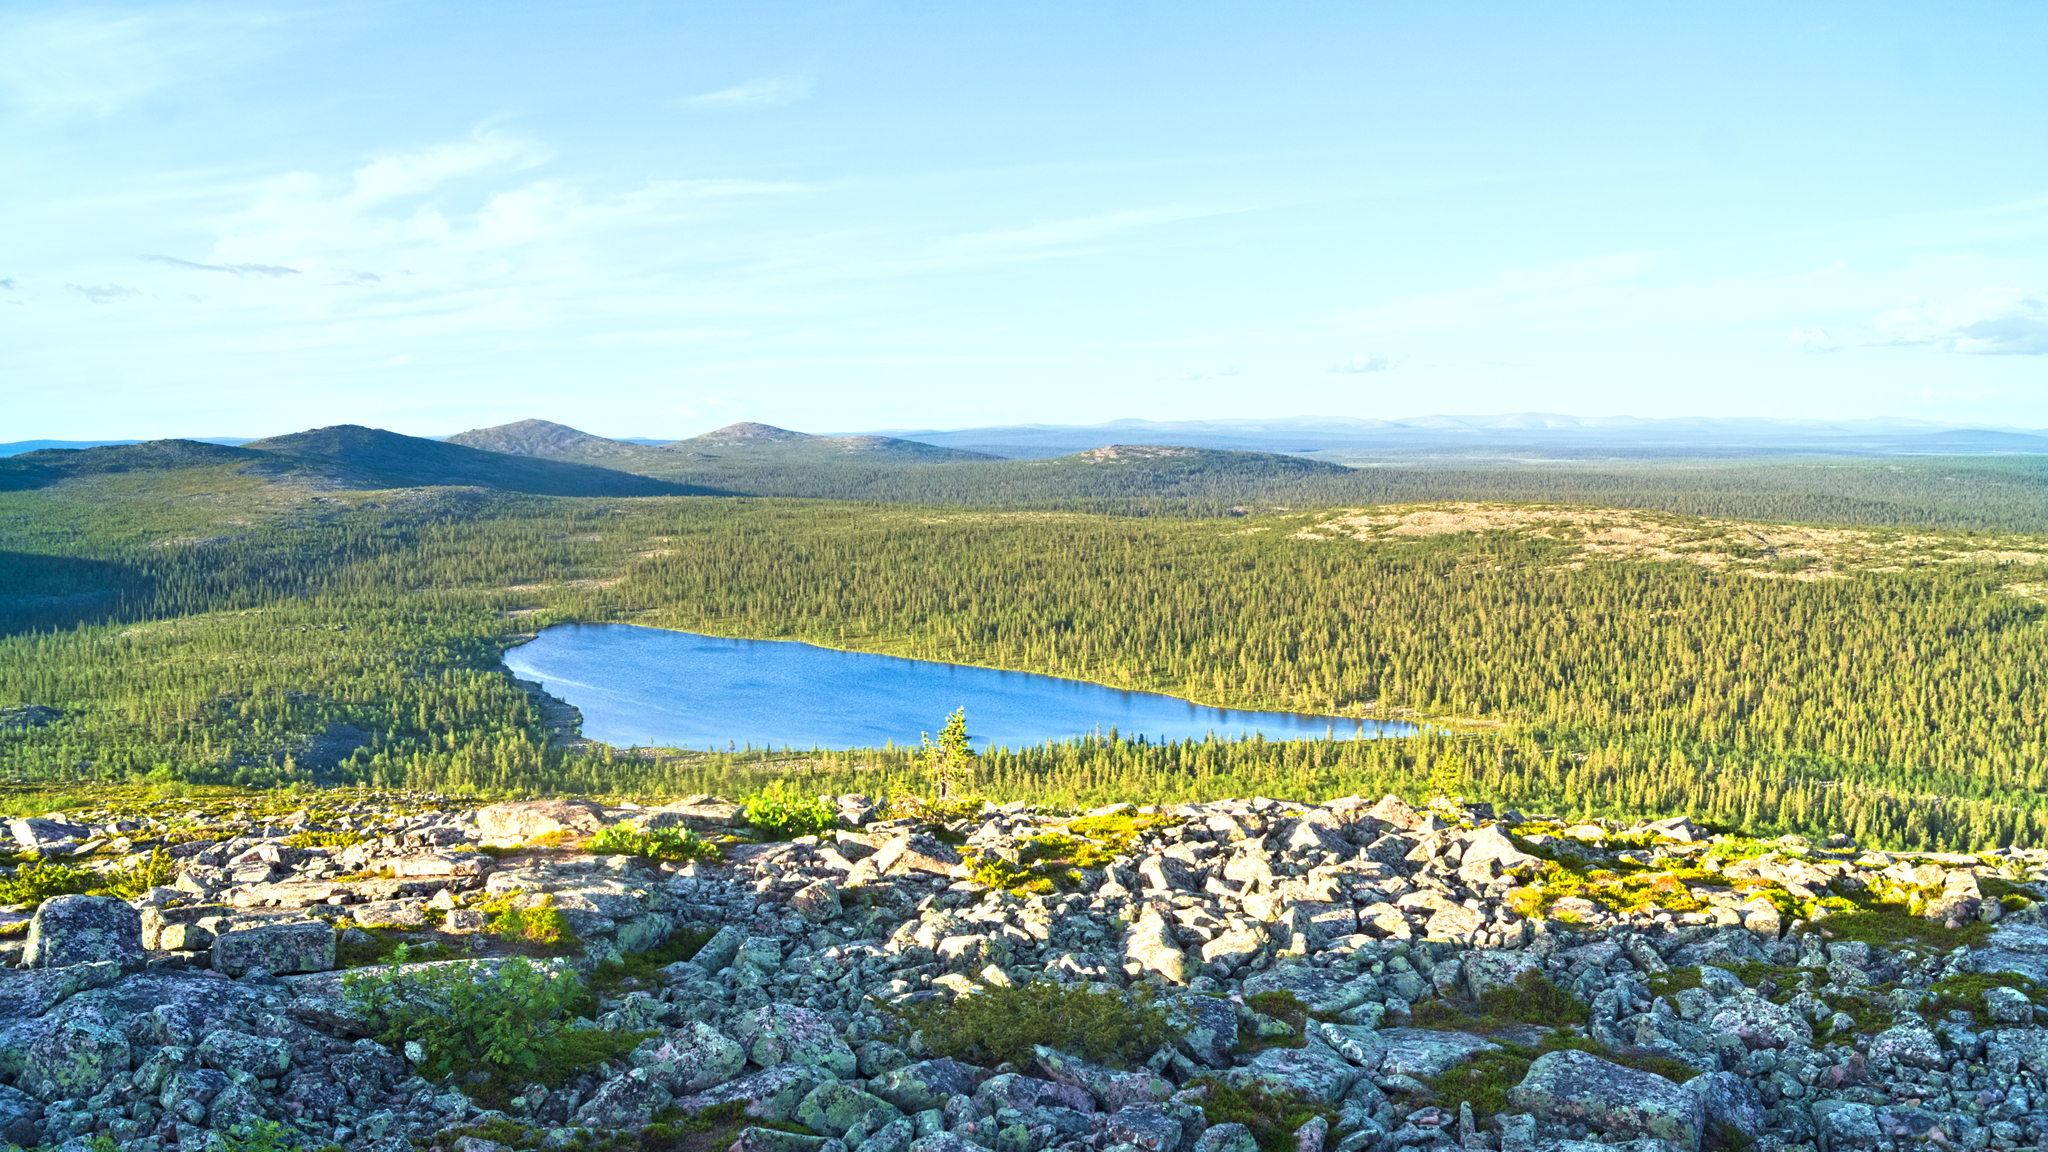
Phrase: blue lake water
(656, 688)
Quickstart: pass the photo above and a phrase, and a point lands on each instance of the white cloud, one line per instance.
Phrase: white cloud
(760, 92)
(1993, 322)
(1813, 341)
(1370, 362)
(412, 173)
(90, 65)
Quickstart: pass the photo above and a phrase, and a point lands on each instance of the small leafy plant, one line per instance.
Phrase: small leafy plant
(654, 844)
(539, 925)
(782, 813)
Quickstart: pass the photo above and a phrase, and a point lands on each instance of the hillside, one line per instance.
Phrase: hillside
(544, 438)
(352, 456)
(766, 442)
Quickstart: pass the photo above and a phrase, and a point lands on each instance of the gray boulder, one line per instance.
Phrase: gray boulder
(300, 946)
(691, 1058)
(832, 1109)
(1146, 1126)
(1423, 1053)
(1111, 1089)
(770, 1094)
(236, 1052)
(628, 1101)
(926, 1084)
(1578, 1087)
(1307, 1073)
(1227, 1138)
(790, 1034)
(1732, 1106)
(71, 930)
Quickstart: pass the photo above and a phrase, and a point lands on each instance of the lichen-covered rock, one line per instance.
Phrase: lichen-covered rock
(1203, 1027)
(776, 1140)
(2008, 1006)
(1145, 1126)
(26, 993)
(1111, 1089)
(1572, 1087)
(81, 929)
(74, 1056)
(300, 946)
(1319, 988)
(769, 1093)
(1758, 1023)
(1909, 1042)
(236, 1052)
(628, 1101)
(1731, 1105)
(791, 1034)
(816, 902)
(1302, 1072)
(832, 1108)
(1152, 945)
(691, 1058)
(1486, 971)
(926, 1084)
(916, 853)
(1364, 1047)
(1422, 1053)
(520, 821)
(1227, 1138)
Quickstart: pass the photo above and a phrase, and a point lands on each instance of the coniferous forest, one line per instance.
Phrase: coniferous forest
(1882, 680)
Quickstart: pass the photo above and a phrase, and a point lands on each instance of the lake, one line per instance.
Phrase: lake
(655, 688)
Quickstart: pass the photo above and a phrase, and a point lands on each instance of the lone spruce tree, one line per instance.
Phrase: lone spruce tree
(951, 760)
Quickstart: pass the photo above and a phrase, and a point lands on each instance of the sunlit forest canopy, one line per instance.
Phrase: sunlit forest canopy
(1879, 680)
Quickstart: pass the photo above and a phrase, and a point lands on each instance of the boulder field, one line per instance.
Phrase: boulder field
(1407, 981)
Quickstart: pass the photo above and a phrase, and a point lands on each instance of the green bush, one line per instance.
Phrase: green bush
(1534, 1000)
(259, 1136)
(539, 926)
(36, 881)
(657, 844)
(780, 812)
(998, 1024)
(509, 1024)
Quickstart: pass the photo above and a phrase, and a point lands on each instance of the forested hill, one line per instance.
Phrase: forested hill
(342, 457)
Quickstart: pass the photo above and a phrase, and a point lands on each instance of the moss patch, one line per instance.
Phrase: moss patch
(1272, 1116)
(995, 1025)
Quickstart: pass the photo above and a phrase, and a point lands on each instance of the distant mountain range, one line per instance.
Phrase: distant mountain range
(757, 443)
(1332, 437)
(1340, 437)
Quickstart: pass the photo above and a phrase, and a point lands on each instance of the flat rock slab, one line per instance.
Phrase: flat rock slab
(1578, 1087)
(523, 820)
(306, 946)
(1423, 1053)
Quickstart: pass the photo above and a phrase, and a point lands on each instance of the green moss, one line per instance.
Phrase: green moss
(638, 969)
(539, 927)
(1271, 1115)
(1533, 1000)
(382, 946)
(1965, 991)
(997, 1024)
(1886, 925)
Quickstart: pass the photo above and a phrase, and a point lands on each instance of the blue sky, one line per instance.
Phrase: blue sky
(654, 219)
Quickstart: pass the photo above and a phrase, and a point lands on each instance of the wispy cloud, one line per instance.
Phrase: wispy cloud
(1369, 362)
(1993, 322)
(760, 92)
(1812, 341)
(231, 269)
(87, 64)
(8, 283)
(104, 293)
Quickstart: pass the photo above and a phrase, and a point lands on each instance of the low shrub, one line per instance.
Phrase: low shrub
(488, 1028)
(656, 844)
(1272, 1116)
(539, 926)
(780, 812)
(1965, 991)
(998, 1024)
(1534, 1000)
(37, 881)
(324, 839)
(1886, 925)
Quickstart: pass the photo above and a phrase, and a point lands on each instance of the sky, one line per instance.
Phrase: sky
(656, 219)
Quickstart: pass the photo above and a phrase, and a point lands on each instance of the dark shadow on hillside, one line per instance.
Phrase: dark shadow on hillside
(44, 593)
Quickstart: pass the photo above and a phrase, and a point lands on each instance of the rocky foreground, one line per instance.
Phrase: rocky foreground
(1706, 999)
